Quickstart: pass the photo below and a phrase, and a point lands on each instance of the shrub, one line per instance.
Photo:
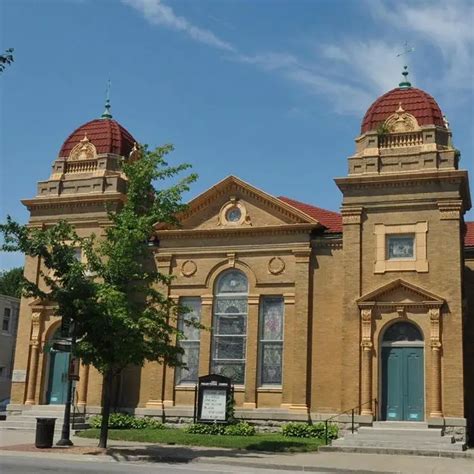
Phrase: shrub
(240, 429)
(122, 421)
(296, 430)
(305, 430)
(237, 429)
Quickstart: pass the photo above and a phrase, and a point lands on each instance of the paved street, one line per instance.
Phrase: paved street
(34, 465)
(187, 459)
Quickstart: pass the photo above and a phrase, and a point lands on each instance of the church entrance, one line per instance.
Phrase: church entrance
(402, 373)
(57, 374)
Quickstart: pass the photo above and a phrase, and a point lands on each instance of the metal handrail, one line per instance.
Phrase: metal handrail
(352, 411)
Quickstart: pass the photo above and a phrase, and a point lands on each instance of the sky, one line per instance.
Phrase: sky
(272, 91)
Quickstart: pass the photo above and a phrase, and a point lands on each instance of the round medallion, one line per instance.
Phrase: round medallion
(276, 266)
(233, 214)
(188, 268)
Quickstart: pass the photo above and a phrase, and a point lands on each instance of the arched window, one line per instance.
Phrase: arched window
(229, 329)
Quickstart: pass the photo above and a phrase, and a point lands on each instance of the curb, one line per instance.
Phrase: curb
(395, 451)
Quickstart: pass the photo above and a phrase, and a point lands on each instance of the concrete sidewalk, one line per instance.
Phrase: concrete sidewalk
(125, 451)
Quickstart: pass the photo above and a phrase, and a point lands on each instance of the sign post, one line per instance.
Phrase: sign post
(214, 396)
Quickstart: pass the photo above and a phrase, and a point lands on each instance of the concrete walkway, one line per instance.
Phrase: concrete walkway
(125, 451)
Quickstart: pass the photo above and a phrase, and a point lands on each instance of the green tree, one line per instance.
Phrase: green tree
(6, 59)
(11, 282)
(135, 322)
(120, 317)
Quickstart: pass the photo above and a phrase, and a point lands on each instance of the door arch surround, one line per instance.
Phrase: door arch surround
(402, 372)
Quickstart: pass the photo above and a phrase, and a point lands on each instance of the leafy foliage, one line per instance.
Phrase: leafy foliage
(119, 315)
(6, 59)
(122, 421)
(237, 429)
(135, 322)
(11, 282)
(305, 430)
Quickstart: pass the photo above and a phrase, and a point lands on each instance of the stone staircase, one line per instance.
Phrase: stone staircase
(25, 418)
(385, 437)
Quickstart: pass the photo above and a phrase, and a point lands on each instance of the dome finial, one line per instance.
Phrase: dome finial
(405, 84)
(107, 114)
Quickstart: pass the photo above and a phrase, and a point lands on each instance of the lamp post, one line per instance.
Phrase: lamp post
(66, 429)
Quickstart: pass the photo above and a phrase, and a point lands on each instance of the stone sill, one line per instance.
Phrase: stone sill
(269, 389)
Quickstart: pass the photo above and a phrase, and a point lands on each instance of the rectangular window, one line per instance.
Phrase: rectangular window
(189, 374)
(230, 337)
(6, 319)
(271, 340)
(3, 371)
(400, 247)
(78, 254)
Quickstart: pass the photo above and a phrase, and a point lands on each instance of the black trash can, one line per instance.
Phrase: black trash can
(44, 432)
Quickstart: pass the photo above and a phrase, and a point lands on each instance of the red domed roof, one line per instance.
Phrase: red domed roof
(106, 134)
(414, 101)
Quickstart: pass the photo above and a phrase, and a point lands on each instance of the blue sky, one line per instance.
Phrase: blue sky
(272, 91)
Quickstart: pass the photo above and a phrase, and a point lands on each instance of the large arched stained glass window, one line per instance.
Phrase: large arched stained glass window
(229, 329)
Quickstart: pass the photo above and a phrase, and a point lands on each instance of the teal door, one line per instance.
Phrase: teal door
(58, 378)
(402, 383)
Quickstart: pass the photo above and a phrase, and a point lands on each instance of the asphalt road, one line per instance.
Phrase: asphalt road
(30, 465)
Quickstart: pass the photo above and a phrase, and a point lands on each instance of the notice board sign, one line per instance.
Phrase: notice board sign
(214, 396)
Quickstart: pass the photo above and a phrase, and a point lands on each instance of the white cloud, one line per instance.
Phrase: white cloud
(158, 13)
(350, 73)
(443, 28)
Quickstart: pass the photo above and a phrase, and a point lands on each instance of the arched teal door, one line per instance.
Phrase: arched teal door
(402, 373)
(58, 375)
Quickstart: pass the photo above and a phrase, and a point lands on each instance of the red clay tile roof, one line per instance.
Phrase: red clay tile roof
(329, 219)
(107, 135)
(469, 237)
(414, 101)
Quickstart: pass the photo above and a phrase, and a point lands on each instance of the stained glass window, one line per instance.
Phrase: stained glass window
(190, 343)
(400, 246)
(271, 340)
(229, 332)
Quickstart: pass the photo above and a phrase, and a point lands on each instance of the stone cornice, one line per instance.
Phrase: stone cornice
(76, 200)
(284, 229)
(407, 179)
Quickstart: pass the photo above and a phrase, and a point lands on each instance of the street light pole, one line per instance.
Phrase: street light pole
(66, 429)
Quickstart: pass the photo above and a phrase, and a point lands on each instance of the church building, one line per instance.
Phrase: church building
(313, 312)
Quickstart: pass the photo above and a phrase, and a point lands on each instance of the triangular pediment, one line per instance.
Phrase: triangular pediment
(252, 208)
(400, 292)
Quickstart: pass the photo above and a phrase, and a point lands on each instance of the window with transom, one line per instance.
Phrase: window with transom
(229, 329)
(271, 340)
(190, 344)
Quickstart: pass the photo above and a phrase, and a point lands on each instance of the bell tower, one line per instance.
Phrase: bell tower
(403, 204)
(85, 183)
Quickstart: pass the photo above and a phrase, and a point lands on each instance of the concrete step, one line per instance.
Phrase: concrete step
(31, 425)
(406, 425)
(432, 432)
(410, 452)
(44, 414)
(413, 435)
(396, 444)
(412, 439)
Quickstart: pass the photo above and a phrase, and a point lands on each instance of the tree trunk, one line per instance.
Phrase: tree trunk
(106, 401)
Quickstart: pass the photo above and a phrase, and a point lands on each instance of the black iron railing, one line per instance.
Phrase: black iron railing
(352, 411)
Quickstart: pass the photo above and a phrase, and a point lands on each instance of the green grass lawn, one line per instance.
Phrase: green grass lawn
(260, 442)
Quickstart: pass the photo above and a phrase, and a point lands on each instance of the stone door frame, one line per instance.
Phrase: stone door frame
(380, 300)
